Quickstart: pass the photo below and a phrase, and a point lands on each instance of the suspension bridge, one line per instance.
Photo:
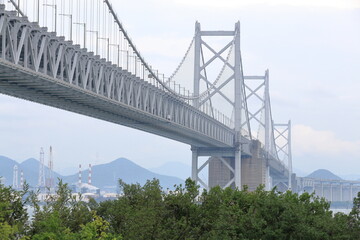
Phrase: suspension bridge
(77, 56)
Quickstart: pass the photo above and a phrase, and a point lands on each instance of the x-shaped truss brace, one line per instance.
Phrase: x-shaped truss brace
(217, 55)
(213, 85)
(254, 116)
(254, 92)
(281, 134)
(225, 163)
(218, 90)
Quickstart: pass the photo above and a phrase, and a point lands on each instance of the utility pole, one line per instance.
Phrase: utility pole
(84, 25)
(71, 23)
(53, 6)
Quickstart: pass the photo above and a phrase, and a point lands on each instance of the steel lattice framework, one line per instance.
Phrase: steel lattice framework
(49, 62)
(40, 66)
(282, 139)
(238, 104)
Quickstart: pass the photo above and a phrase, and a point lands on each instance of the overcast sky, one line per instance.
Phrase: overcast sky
(311, 47)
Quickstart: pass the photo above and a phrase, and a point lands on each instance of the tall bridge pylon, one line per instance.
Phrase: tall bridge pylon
(260, 116)
(282, 140)
(233, 96)
(258, 143)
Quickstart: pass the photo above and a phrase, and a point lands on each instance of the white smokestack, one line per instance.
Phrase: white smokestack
(90, 173)
(79, 174)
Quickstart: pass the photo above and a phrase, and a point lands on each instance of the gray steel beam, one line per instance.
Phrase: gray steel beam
(217, 33)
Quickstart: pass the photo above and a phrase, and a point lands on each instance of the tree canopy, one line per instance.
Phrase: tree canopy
(149, 212)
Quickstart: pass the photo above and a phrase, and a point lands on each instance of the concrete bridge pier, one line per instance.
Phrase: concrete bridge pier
(254, 169)
(222, 167)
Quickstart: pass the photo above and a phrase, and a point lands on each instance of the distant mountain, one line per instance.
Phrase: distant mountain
(30, 168)
(324, 174)
(103, 175)
(176, 169)
(107, 175)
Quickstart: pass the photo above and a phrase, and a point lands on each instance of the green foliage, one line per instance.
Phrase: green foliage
(355, 217)
(97, 229)
(13, 215)
(64, 217)
(137, 213)
(147, 212)
(63, 209)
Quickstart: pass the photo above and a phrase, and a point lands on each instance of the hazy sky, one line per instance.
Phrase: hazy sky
(312, 49)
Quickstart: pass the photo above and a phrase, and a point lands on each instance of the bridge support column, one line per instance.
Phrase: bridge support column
(224, 166)
(194, 165)
(238, 169)
(268, 178)
(221, 172)
(255, 168)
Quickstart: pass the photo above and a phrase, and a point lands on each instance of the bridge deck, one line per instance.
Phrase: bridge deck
(24, 83)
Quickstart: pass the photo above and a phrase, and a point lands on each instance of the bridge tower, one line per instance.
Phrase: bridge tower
(229, 157)
(283, 150)
(41, 180)
(254, 157)
(260, 119)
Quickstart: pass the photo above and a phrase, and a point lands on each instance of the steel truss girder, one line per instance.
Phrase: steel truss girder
(43, 54)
